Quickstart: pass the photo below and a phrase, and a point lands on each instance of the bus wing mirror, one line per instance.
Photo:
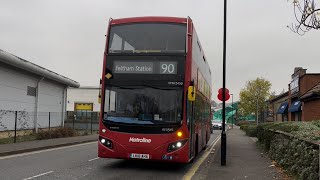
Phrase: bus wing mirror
(191, 93)
(99, 96)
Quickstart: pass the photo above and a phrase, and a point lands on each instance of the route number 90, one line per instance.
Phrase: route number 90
(168, 68)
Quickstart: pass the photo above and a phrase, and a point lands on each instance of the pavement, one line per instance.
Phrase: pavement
(22, 147)
(245, 160)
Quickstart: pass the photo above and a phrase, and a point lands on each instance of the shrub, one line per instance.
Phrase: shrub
(297, 157)
(302, 130)
(239, 123)
(251, 130)
(244, 127)
(295, 153)
(316, 123)
(56, 133)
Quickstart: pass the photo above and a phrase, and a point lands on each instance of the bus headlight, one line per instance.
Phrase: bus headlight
(106, 142)
(176, 145)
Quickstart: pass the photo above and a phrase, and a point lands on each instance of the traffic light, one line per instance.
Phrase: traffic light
(227, 95)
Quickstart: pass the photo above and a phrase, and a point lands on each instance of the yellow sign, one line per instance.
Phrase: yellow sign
(84, 106)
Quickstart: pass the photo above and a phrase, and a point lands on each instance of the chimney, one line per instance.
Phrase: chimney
(299, 71)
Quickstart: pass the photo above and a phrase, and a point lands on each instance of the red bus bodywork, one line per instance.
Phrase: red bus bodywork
(157, 149)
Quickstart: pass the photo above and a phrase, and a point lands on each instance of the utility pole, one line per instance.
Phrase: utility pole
(223, 133)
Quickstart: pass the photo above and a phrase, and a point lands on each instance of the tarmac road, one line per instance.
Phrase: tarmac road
(81, 162)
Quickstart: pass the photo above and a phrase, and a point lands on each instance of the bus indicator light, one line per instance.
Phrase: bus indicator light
(179, 134)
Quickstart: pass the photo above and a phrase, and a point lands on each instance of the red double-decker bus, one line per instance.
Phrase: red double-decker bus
(155, 91)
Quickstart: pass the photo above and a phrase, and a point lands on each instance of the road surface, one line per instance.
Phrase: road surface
(81, 162)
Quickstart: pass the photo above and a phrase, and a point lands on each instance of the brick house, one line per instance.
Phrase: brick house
(302, 100)
(301, 83)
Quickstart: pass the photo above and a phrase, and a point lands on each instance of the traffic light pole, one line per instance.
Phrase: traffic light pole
(223, 133)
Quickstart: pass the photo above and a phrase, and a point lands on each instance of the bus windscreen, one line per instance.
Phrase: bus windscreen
(143, 105)
(148, 38)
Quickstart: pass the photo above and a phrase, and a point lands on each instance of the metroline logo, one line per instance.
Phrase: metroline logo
(138, 140)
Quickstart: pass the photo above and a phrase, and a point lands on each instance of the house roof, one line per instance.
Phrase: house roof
(312, 93)
(86, 87)
(20, 63)
(280, 96)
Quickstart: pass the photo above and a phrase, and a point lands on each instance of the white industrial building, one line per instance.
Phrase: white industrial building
(83, 98)
(33, 91)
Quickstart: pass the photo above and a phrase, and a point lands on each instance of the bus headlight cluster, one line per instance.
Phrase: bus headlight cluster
(106, 142)
(176, 145)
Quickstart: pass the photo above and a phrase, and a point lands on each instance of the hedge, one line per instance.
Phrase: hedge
(293, 145)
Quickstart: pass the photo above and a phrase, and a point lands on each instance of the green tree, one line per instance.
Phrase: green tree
(253, 96)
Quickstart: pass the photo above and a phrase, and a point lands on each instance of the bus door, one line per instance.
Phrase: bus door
(190, 121)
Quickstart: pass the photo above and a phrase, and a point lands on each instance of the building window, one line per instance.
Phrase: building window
(31, 91)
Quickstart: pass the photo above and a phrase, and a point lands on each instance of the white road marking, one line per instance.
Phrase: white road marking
(196, 166)
(93, 159)
(46, 150)
(38, 175)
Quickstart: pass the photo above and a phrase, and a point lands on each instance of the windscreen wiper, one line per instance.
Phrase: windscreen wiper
(159, 88)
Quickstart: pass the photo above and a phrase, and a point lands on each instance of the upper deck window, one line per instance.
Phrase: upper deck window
(148, 38)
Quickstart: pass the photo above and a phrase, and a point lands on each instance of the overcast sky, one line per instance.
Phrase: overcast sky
(68, 36)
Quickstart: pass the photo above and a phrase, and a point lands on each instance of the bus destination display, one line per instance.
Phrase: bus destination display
(139, 67)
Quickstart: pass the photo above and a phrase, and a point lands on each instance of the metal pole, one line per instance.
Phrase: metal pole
(257, 118)
(91, 120)
(232, 112)
(223, 133)
(15, 127)
(49, 125)
(49, 120)
(74, 117)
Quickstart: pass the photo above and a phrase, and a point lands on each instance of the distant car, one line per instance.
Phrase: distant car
(216, 124)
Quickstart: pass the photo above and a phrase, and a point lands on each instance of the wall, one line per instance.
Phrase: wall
(50, 100)
(308, 81)
(83, 95)
(311, 110)
(13, 97)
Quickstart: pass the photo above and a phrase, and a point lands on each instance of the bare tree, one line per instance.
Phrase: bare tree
(307, 16)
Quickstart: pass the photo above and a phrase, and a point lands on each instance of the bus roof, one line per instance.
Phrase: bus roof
(148, 19)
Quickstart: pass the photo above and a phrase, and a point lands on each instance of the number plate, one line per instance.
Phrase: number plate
(139, 156)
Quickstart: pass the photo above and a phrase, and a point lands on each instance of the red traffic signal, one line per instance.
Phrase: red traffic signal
(227, 95)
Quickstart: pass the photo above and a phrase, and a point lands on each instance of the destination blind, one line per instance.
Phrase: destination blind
(142, 67)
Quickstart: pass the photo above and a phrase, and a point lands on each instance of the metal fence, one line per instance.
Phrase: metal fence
(15, 124)
(21, 123)
(83, 120)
